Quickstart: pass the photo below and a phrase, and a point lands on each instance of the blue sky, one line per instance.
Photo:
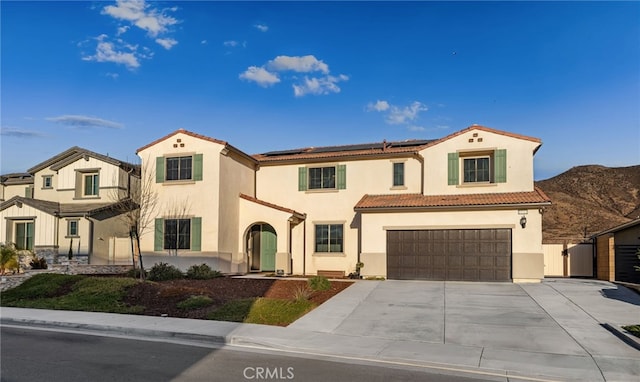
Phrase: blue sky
(113, 76)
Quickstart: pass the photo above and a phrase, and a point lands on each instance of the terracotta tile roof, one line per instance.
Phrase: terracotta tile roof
(370, 202)
(271, 205)
(372, 149)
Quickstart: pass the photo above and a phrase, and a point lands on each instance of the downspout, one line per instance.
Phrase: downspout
(421, 160)
(304, 247)
(90, 241)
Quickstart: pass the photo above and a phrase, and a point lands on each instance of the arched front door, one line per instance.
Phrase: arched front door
(262, 247)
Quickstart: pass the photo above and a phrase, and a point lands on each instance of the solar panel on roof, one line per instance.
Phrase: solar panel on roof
(330, 149)
(410, 143)
(284, 152)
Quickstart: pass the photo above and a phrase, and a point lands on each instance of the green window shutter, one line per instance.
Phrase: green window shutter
(197, 167)
(302, 178)
(342, 176)
(158, 240)
(196, 234)
(27, 192)
(159, 169)
(500, 166)
(453, 168)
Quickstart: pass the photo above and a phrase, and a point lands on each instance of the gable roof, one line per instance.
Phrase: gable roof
(373, 149)
(73, 154)
(16, 178)
(420, 201)
(618, 228)
(199, 136)
(58, 209)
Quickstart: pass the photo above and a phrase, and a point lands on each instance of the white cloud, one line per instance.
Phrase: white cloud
(142, 15)
(405, 115)
(378, 106)
(301, 64)
(260, 75)
(19, 133)
(122, 30)
(231, 43)
(261, 27)
(397, 115)
(318, 86)
(113, 75)
(108, 52)
(82, 121)
(167, 43)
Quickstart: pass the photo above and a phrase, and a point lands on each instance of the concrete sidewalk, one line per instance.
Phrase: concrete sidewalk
(497, 331)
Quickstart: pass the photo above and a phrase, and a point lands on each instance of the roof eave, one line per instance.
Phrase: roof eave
(508, 206)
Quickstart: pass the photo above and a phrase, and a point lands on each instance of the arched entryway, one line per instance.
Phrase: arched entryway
(262, 247)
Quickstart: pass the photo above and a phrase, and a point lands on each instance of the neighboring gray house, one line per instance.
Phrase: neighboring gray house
(616, 253)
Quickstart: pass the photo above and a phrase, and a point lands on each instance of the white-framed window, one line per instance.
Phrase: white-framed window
(329, 238)
(47, 181)
(477, 169)
(24, 234)
(398, 174)
(179, 168)
(91, 184)
(72, 228)
(322, 178)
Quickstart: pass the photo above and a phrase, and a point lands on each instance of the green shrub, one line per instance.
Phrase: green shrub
(195, 302)
(319, 283)
(38, 263)
(164, 271)
(8, 258)
(272, 311)
(202, 272)
(234, 311)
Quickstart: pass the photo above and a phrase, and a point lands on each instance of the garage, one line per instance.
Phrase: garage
(452, 254)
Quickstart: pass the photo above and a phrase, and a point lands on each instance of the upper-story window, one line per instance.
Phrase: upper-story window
(91, 183)
(47, 181)
(398, 174)
(477, 167)
(476, 170)
(179, 168)
(322, 178)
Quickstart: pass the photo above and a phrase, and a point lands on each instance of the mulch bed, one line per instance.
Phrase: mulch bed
(160, 298)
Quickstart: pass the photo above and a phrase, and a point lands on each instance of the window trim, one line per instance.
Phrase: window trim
(16, 223)
(44, 182)
(322, 181)
(69, 233)
(179, 158)
(475, 158)
(95, 184)
(401, 185)
(315, 239)
(177, 234)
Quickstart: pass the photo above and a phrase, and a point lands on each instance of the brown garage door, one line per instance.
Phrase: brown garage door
(458, 254)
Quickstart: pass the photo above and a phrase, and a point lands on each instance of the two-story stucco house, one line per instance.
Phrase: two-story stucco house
(66, 202)
(463, 207)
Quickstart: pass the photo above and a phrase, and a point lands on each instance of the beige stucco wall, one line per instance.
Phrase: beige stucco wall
(187, 198)
(519, 163)
(103, 233)
(13, 190)
(279, 185)
(527, 260)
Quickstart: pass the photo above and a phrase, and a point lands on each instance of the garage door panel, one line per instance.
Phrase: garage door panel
(473, 254)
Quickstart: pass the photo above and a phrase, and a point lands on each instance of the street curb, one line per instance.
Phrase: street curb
(629, 339)
(203, 338)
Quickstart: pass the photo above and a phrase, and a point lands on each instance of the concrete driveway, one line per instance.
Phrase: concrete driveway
(555, 326)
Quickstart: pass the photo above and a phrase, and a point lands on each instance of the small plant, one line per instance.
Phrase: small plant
(302, 293)
(164, 271)
(8, 259)
(38, 262)
(319, 283)
(202, 272)
(135, 273)
(195, 302)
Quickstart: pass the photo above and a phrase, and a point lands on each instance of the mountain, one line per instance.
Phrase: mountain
(589, 199)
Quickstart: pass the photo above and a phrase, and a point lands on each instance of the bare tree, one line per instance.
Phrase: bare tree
(138, 207)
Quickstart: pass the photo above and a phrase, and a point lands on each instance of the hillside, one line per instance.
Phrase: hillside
(590, 199)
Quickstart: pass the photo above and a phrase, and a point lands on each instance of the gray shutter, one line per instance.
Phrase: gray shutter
(159, 169)
(158, 241)
(500, 166)
(342, 176)
(302, 178)
(453, 168)
(197, 167)
(196, 234)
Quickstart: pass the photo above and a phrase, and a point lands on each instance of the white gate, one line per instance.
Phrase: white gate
(119, 250)
(578, 261)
